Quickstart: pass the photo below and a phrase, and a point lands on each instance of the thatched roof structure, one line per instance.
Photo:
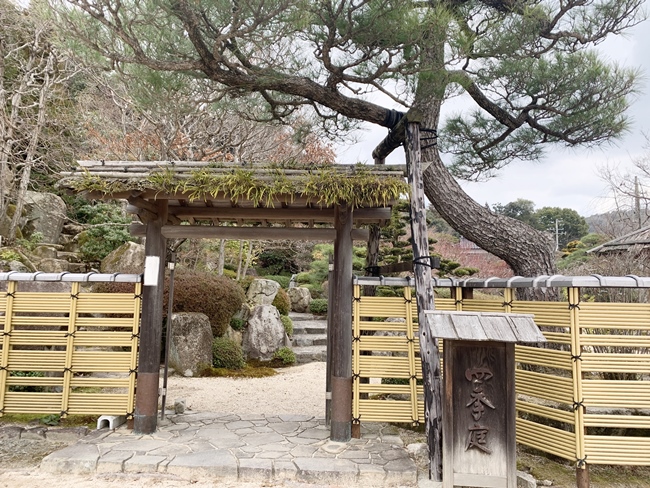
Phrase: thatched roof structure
(225, 194)
(635, 241)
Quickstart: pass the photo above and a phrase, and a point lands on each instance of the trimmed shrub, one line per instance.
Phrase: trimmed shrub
(215, 296)
(226, 353)
(288, 324)
(285, 355)
(236, 324)
(282, 302)
(318, 306)
(282, 280)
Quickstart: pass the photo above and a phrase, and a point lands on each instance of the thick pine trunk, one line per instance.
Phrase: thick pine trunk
(527, 251)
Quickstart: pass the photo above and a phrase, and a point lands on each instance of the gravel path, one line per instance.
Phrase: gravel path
(299, 389)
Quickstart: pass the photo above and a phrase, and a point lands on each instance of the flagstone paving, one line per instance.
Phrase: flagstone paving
(250, 448)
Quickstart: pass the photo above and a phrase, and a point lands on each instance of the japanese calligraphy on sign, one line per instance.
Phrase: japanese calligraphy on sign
(478, 434)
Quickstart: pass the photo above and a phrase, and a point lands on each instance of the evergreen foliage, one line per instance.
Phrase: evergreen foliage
(282, 302)
(226, 353)
(217, 297)
(108, 229)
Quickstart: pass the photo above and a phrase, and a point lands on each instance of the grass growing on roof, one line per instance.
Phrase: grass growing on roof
(325, 186)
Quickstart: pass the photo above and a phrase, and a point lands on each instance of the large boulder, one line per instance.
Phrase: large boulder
(262, 292)
(46, 214)
(191, 342)
(300, 299)
(51, 265)
(128, 258)
(265, 333)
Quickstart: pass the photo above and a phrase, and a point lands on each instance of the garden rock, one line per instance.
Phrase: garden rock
(128, 258)
(46, 213)
(525, 480)
(49, 265)
(45, 252)
(265, 333)
(234, 335)
(300, 299)
(262, 292)
(14, 266)
(244, 313)
(191, 341)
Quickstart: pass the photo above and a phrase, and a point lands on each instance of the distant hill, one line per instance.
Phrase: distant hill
(617, 223)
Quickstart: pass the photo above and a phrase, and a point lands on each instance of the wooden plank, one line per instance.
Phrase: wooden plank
(303, 214)
(247, 233)
(341, 380)
(424, 293)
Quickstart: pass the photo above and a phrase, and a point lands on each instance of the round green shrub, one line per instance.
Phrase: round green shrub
(217, 297)
(282, 302)
(285, 355)
(282, 280)
(226, 353)
(236, 324)
(288, 324)
(318, 306)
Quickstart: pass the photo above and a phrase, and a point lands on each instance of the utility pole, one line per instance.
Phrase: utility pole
(557, 234)
(637, 202)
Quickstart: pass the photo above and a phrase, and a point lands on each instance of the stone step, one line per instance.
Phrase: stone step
(301, 340)
(310, 327)
(299, 317)
(310, 354)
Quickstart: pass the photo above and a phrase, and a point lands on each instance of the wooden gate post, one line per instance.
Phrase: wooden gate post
(341, 349)
(146, 395)
(424, 295)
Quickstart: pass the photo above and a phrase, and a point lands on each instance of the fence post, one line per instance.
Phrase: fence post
(69, 349)
(410, 337)
(6, 334)
(582, 470)
(508, 297)
(356, 353)
(135, 341)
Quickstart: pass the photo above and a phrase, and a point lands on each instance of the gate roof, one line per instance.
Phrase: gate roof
(278, 201)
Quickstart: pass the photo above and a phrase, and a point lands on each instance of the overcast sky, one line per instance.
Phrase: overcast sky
(566, 177)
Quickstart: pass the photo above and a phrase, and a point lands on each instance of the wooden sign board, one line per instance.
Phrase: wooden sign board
(479, 447)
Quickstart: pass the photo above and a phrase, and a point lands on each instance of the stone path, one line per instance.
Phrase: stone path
(250, 448)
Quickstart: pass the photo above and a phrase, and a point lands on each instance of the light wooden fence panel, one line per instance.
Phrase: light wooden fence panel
(68, 352)
(591, 377)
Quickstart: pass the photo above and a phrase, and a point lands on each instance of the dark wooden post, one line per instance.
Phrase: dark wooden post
(341, 348)
(424, 293)
(146, 397)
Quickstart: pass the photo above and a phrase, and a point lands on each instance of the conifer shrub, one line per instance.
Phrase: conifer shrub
(318, 306)
(282, 302)
(288, 324)
(285, 355)
(226, 353)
